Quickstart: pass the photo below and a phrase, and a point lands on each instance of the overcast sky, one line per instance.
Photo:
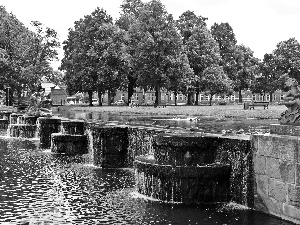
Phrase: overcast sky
(258, 24)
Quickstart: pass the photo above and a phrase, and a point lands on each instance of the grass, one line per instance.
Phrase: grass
(219, 111)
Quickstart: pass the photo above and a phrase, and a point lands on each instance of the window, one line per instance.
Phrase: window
(136, 96)
(281, 97)
(181, 97)
(162, 96)
(201, 97)
(254, 97)
(122, 96)
(268, 98)
(274, 97)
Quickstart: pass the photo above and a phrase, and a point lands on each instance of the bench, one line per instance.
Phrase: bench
(264, 104)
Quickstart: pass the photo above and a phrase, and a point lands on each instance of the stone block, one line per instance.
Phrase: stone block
(259, 165)
(297, 174)
(294, 195)
(254, 142)
(262, 184)
(290, 130)
(268, 205)
(265, 145)
(278, 190)
(292, 211)
(279, 169)
(286, 147)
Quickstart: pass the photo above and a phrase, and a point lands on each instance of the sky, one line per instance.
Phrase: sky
(258, 24)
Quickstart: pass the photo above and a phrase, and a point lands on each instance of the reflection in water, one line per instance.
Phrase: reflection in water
(40, 187)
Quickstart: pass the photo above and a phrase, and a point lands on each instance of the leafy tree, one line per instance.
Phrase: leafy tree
(287, 56)
(215, 81)
(203, 52)
(225, 37)
(95, 56)
(246, 66)
(180, 79)
(56, 77)
(27, 53)
(129, 14)
(154, 46)
(269, 79)
(186, 23)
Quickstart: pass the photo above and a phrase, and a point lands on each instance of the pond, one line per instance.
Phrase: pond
(40, 187)
(199, 123)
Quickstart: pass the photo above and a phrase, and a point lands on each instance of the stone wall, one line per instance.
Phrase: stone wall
(276, 168)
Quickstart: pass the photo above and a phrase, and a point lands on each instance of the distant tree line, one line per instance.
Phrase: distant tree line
(145, 47)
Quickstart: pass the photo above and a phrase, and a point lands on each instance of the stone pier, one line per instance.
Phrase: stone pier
(47, 126)
(277, 172)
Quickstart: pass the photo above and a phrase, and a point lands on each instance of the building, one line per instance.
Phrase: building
(58, 96)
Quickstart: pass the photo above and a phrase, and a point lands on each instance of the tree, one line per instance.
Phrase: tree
(129, 14)
(186, 23)
(95, 56)
(287, 56)
(27, 53)
(203, 52)
(225, 37)
(215, 81)
(154, 46)
(269, 80)
(180, 79)
(246, 67)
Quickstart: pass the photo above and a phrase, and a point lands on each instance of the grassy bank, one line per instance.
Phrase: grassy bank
(273, 112)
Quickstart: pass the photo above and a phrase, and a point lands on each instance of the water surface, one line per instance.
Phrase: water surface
(40, 187)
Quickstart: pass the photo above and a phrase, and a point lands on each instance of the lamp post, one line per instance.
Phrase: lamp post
(8, 95)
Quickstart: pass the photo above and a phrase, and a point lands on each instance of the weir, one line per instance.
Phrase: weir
(259, 171)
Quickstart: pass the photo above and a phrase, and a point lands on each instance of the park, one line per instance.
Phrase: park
(149, 119)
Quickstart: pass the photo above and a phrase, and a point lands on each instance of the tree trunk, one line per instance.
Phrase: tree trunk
(99, 98)
(271, 96)
(108, 98)
(210, 99)
(157, 95)
(90, 93)
(130, 88)
(240, 96)
(197, 97)
(190, 99)
(175, 97)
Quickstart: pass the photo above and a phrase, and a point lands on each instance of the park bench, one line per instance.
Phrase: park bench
(257, 103)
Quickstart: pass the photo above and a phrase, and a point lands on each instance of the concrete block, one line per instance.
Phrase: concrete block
(259, 165)
(294, 195)
(278, 190)
(279, 169)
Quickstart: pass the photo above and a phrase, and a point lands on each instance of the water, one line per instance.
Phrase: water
(40, 187)
(202, 123)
